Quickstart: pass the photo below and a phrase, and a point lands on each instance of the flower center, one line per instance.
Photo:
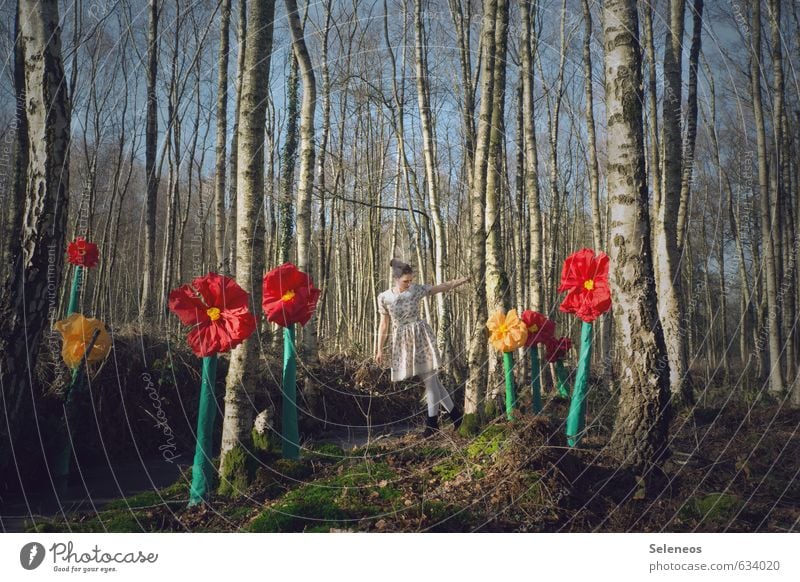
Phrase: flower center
(503, 328)
(213, 313)
(533, 328)
(589, 284)
(288, 296)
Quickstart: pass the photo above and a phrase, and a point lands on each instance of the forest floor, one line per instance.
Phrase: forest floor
(734, 467)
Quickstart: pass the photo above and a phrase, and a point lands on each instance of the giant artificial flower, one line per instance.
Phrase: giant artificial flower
(508, 331)
(77, 332)
(82, 253)
(540, 329)
(585, 277)
(557, 348)
(216, 307)
(289, 296)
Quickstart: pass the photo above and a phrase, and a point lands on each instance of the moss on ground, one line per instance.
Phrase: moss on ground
(711, 507)
(488, 442)
(352, 495)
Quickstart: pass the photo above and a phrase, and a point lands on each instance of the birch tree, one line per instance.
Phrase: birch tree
(305, 183)
(666, 225)
(27, 300)
(151, 144)
(640, 431)
(477, 347)
(238, 418)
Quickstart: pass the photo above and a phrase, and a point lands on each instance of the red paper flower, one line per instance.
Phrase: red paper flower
(82, 253)
(540, 329)
(217, 308)
(585, 276)
(289, 296)
(557, 348)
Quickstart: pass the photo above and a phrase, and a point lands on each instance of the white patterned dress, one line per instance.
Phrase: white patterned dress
(414, 350)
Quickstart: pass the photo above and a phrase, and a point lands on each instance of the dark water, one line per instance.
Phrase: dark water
(89, 490)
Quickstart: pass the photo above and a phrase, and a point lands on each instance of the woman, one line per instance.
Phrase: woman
(414, 351)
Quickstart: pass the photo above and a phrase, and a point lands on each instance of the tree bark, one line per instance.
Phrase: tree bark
(767, 208)
(531, 158)
(9, 246)
(668, 278)
(151, 145)
(477, 348)
(222, 135)
(443, 330)
(640, 432)
(305, 183)
(238, 420)
(28, 298)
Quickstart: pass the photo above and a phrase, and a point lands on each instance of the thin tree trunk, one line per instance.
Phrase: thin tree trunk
(767, 205)
(432, 183)
(305, 183)
(531, 158)
(234, 165)
(594, 174)
(151, 145)
(238, 419)
(289, 158)
(477, 350)
(668, 277)
(222, 135)
(691, 122)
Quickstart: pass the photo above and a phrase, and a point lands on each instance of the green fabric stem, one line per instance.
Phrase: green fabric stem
(75, 291)
(203, 468)
(561, 377)
(511, 392)
(576, 420)
(64, 457)
(291, 434)
(536, 380)
(62, 462)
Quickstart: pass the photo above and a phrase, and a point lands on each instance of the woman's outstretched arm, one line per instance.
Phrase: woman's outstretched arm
(383, 332)
(448, 286)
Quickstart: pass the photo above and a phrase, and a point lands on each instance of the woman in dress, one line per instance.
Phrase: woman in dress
(414, 351)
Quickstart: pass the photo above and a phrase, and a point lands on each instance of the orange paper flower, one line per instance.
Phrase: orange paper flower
(77, 332)
(508, 331)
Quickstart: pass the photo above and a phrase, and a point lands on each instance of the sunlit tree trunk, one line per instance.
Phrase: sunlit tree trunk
(432, 183)
(531, 158)
(151, 144)
(234, 164)
(305, 183)
(667, 272)
(222, 135)
(238, 419)
(497, 287)
(9, 245)
(767, 204)
(28, 297)
(477, 347)
(640, 432)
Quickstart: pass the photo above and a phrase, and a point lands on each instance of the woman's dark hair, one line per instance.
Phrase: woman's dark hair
(399, 268)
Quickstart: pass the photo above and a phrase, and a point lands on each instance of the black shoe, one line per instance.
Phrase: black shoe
(431, 425)
(456, 415)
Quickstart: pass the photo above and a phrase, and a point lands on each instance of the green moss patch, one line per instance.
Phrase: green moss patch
(355, 493)
(488, 442)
